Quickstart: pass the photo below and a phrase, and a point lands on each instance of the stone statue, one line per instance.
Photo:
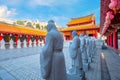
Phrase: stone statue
(83, 48)
(74, 50)
(90, 50)
(51, 58)
(87, 44)
(84, 52)
(93, 47)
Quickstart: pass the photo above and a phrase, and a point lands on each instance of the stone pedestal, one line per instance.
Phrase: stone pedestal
(11, 44)
(2, 44)
(25, 43)
(19, 44)
(30, 45)
(74, 77)
(89, 60)
(73, 74)
(34, 43)
(38, 42)
(85, 66)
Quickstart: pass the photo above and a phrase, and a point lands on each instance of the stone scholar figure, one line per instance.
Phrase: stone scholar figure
(51, 58)
(74, 50)
(90, 50)
(83, 48)
(93, 47)
(84, 52)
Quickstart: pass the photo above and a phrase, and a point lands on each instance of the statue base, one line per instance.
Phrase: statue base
(85, 66)
(75, 77)
(73, 74)
(90, 60)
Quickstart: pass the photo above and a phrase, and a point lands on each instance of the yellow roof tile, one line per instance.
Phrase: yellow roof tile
(80, 28)
(6, 28)
(85, 19)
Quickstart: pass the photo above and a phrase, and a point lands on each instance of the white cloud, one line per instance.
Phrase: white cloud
(5, 12)
(96, 13)
(13, 3)
(61, 20)
(41, 2)
(51, 3)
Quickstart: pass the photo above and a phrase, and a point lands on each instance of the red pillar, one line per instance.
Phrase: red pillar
(108, 41)
(111, 40)
(36, 40)
(115, 39)
(95, 34)
(1, 37)
(28, 39)
(44, 40)
(16, 40)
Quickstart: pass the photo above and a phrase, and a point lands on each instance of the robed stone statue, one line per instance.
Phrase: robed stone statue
(74, 50)
(52, 58)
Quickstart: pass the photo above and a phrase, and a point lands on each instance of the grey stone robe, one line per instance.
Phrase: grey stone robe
(75, 54)
(83, 49)
(52, 58)
(90, 48)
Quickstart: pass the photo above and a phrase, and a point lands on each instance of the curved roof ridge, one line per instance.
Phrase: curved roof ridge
(83, 16)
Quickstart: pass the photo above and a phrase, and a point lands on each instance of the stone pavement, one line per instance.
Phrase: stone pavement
(94, 72)
(113, 63)
(23, 64)
(16, 53)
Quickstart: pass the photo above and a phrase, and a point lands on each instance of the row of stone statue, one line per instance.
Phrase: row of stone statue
(52, 60)
(82, 50)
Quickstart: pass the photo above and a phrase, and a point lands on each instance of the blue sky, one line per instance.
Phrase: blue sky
(59, 10)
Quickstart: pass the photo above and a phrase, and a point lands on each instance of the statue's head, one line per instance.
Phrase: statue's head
(51, 25)
(74, 33)
(81, 35)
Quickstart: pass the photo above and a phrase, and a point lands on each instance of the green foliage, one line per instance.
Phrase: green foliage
(14, 23)
(38, 26)
(45, 27)
(20, 22)
(29, 24)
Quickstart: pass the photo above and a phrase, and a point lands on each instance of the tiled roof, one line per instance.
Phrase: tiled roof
(6, 28)
(80, 28)
(80, 20)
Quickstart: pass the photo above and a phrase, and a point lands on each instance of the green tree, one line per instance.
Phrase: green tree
(20, 22)
(44, 27)
(38, 26)
(29, 24)
(14, 23)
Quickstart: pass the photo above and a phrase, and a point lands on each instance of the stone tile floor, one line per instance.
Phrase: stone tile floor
(23, 64)
(113, 63)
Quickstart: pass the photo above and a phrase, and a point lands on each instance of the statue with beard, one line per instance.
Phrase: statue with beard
(52, 58)
(75, 54)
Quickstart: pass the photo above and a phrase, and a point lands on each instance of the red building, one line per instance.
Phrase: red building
(84, 25)
(110, 21)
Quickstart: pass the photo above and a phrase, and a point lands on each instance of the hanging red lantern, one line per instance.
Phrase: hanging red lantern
(111, 16)
(113, 4)
(118, 4)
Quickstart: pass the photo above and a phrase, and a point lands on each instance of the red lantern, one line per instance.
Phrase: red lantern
(118, 4)
(111, 16)
(113, 4)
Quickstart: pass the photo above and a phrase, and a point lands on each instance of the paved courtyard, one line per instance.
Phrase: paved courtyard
(24, 64)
